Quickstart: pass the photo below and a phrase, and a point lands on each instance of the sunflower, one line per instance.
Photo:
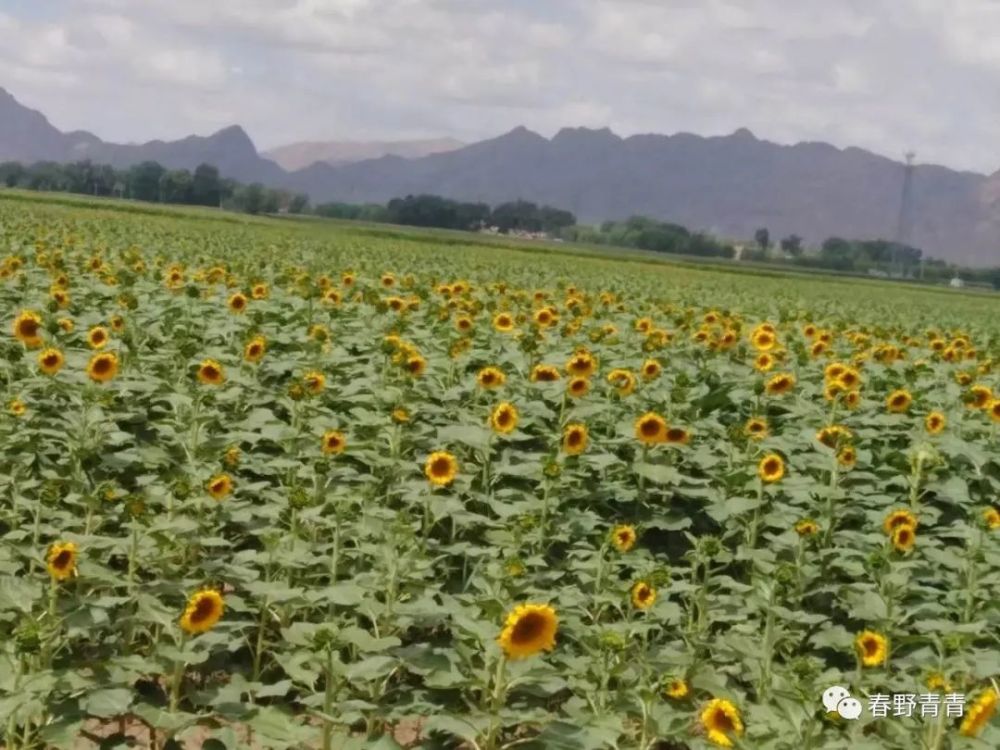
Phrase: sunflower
(872, 648)
(763, 362)
(332, 297)
(97, 337)
(203, 611)
(232, 456)
(763, 340)
(780, 384)
(851, 399)
(643, 595)
(237, 302)
(50, 361)
(575, 439)
(490, 378)
(27, 328)
(348, 278)
(847, 457)
(806, 527)
(623, 380)
(771, 468)
(677, 436)
(255, 348)
(935, 422)
(529, 628)
(219, 486)
(61, 560)
(721, 721)
(850, 379)
(979, 396)
(642, 325)
(66, 324)
(103, 367)
(898, 518)
(904, 537)
(503, 418)
(578, 386)
(463, 323)
(441, 468)
(334, 442)
(756, 428)
(937, 681)
(623, 537)
(582, 363)
(991, 517)
(677, 688)
(503, 322)
(898, 401)
(117, 323)
(210, 372)
(388, 280)
(400, 415)
(319, 332)
(260, 291)
(415, 365)
(314, 382)
(809, 330)
(833, 435)
(980, 713)
(651, 369)
(650, 428)
(993, 409)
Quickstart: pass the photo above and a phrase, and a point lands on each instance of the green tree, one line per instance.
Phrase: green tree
(763, 239)
(175, 186)
(206, 187)
(143, 181)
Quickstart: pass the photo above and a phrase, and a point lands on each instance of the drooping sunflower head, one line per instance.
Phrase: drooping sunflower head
(806, 527)
(237, 302)
(490, 377)
(847, 457)
(28, 328)
(993, 409)
(203, 611)
(991, 517)
(61, 560)
(103, 367)
(400, 415)
(117, 323)
(651, 369)
(232, 456)
(771, 468)
(756, 428)
(50, 361)
(898, 401)
(677, 436)
(979, 396)
(97, 337)
(578, 386)
(623, 537)
(415, 365)
(904, 537)
(219, 486)
(780, 384)
(935, 422)
(529, 629)
(833, 435)
(575, 438)
(872, 647)
(851, 399)
(582, 363)
(545, 374)
(721, 721)
(210, 372)
(979, 713)
(314, 382)
(503, 418)
(334, 442)
(66, 324)
(643, 595)
(650, 428)
(441, 468)
(255, 349)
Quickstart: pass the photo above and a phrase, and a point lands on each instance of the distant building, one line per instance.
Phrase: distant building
(956, 283)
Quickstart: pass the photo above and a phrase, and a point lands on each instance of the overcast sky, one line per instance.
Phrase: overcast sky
(888, 75)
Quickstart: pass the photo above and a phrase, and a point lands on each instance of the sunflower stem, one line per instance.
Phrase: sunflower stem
(496, 703)
(258, 651)
(177, 678)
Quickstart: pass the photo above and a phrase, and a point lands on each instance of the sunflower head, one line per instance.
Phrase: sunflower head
(50, 361)
(904, 537)
(780, 384)
(400, 415)
(898, 518)
(806, 527)
(578, 386)
(220, 486)
(503, 322)
(650, 428)
(623, 537)
(237, 302)
(314, 382)
(763, 362)
(203, 611)
(643, 595)
(575, 438)
(61, 560)
(991, 518)
(677, 436)
(102, 367)
(490, 378)
(872, 648)
(441, 468)
(935, 422)
(28, 328)
(979, 713)
(721, 721)
(97, 337)
(771, 468)
(529, 629)
(676, 688)
(210, 372)
(898, 401)
(503, 418)
(756, 428)
(334, 442)
(254, 350)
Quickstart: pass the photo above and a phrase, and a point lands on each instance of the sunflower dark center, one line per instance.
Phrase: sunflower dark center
(51, 360)
(721, 721)
(441, 466)
(528, 628)
(102, 366)
(63, 559)
(210, 372)
(870, 646)
(203, 609)
(28, 327)
(649, 427)
(771, 466)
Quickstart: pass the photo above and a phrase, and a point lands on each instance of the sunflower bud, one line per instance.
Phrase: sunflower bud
(709, 547)
(552, 469)
(612, 640)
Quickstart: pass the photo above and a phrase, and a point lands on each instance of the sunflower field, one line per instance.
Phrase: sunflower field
(287, 484)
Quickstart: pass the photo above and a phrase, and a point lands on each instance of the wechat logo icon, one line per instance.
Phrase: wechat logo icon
(838, 700)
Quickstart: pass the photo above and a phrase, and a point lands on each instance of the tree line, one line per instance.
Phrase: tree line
(151, 181)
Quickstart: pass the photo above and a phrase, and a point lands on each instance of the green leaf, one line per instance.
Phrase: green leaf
(107, 703)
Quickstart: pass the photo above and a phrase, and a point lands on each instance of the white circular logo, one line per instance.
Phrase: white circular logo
(849, 708)
(838, 700)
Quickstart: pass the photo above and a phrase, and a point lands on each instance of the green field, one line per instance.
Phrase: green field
(285, 483)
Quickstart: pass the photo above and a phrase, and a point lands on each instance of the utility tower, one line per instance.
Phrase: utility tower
(905, 224)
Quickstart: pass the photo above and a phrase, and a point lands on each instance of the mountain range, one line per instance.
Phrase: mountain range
(729, 185)
(336, 153)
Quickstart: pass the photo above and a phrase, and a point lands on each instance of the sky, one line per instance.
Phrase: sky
(886, 75)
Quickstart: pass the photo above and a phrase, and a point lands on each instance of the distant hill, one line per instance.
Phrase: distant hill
(300, 155)
(729, 185)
